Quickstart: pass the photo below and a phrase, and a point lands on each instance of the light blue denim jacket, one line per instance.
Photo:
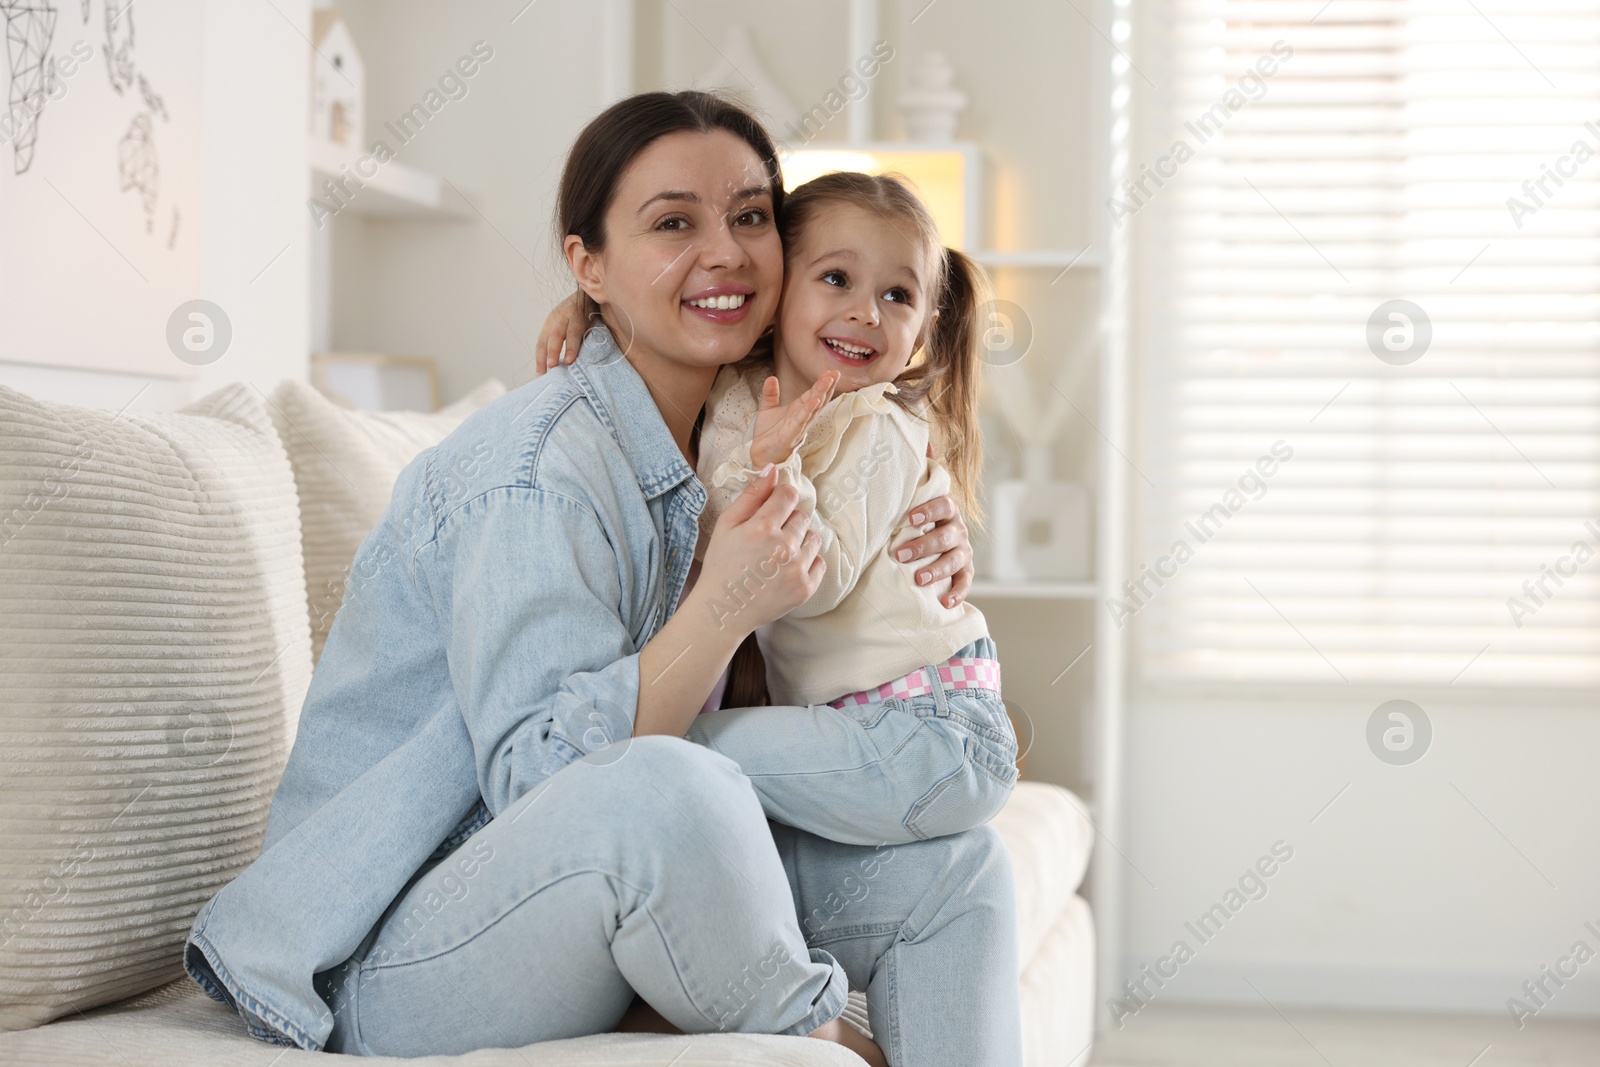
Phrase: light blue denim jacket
(489, 636)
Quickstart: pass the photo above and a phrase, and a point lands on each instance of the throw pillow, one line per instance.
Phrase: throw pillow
(345, 466)
(155, 655)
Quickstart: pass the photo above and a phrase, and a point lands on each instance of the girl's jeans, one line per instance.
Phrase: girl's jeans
(892, 771)
(650, 866)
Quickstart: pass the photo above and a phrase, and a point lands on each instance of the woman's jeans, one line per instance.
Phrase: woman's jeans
(891, 771)
(650, 866)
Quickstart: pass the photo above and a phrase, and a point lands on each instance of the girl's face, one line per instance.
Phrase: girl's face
(855, 298)
(692, 266)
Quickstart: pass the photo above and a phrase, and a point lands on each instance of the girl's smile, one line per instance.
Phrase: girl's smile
(855, 300)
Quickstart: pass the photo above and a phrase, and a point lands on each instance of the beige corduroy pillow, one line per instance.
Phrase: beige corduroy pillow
(154, 655)
(345, 466)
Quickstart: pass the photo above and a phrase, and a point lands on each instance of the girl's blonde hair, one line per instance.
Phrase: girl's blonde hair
(949, 375)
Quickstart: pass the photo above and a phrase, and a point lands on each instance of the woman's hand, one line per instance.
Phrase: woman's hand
(762, 560)
(950, 539)
(779, 430)
(565, 324)
(761, 563)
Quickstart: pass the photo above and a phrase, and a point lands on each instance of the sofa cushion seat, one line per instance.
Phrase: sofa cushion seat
(1048, 834)
(1045, 830)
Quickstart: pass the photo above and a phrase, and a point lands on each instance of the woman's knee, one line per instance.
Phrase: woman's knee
(674, 773)
(979, 857)
(676, 759)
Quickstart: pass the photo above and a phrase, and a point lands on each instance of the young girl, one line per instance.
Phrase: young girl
(890, 725)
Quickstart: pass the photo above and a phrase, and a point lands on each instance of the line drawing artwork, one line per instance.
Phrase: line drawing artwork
(152, 99)
(119, 47)
(138, 162)
(138, 166)
(102, 159)
(30, 24)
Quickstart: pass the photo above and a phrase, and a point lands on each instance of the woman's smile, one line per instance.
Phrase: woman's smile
(721, 303)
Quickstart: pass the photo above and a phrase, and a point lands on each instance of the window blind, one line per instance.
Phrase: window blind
(1334, 487)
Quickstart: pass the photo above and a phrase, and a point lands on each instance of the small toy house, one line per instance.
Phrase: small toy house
(338, 82)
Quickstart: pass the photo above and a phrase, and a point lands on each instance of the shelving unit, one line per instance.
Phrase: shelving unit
(1113, 83)
(1084, 590)
(1046, 259)
(394, 191)
(1107, 256)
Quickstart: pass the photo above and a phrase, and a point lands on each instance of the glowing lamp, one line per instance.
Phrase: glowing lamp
(946, 178)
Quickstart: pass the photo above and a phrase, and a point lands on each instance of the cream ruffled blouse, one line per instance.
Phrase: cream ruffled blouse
(862, 466)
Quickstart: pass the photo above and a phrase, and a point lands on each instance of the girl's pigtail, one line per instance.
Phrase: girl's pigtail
(953, 354)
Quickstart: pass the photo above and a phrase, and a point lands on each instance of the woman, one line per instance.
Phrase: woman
(458, 856)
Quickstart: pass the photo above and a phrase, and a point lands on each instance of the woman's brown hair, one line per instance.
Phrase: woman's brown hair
(615, 137)
(948, 377)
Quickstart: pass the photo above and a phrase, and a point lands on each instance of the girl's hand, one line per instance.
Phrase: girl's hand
(950, 539)
(762, 559)
(565, 324)
(779, 430)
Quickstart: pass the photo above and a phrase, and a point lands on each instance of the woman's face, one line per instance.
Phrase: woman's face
(692, 266)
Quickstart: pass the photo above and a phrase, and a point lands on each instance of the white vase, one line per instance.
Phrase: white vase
(1041, 525)
(931, 102)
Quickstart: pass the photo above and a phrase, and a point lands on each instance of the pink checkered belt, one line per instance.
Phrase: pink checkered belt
(957, 672)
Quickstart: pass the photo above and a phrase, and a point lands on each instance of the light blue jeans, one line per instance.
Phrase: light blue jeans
(891, 771)
(650, 866)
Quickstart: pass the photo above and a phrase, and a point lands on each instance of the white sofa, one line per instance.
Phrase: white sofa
(156, 572)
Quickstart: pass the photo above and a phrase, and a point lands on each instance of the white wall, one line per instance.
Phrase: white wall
(256, 78)
(1400, 894)
(254, 186)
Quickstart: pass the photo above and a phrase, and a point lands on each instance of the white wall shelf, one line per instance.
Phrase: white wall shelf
(1046, 259)
(394, 190)
(1081, 590)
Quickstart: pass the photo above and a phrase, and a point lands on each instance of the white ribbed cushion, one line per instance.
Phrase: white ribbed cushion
(345, 466)
(1048, 834)
(155, 654)
(1058, 992)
